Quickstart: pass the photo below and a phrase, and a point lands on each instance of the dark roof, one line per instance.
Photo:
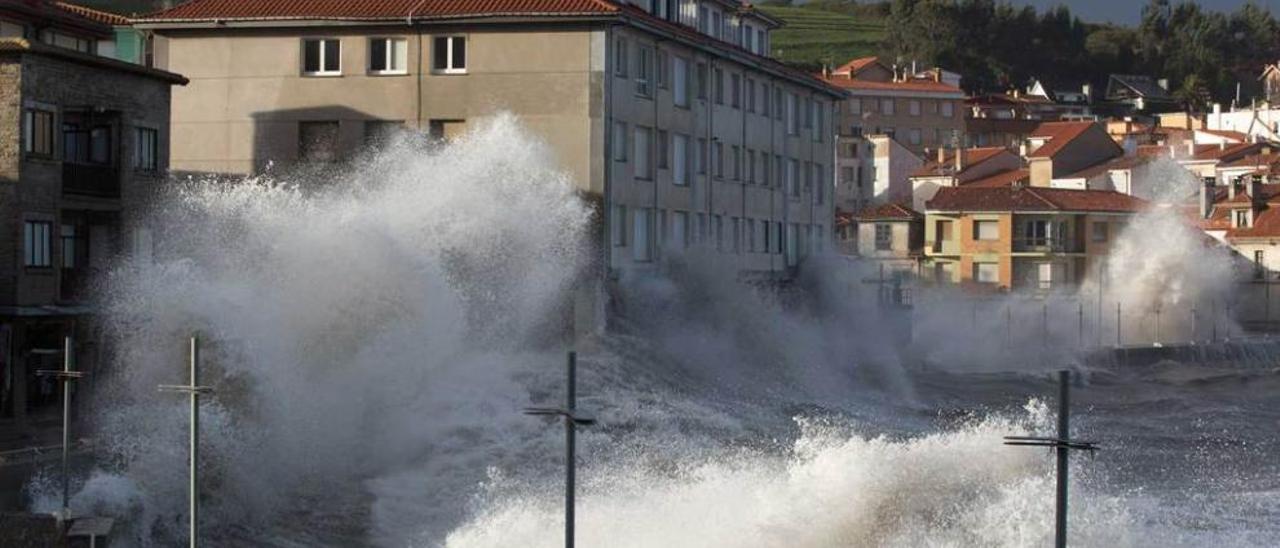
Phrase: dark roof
(1139, 84)
(1030, 199)
(21, 45)
(888, 212)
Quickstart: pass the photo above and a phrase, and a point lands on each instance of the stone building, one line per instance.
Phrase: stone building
(84, 139)
(671, 113)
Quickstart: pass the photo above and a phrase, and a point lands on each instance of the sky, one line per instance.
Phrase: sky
(1128, 11)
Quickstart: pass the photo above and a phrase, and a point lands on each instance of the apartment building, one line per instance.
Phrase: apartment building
(889, 235)
(1022, 237)
(873, 169)
(671, 113)
(85, 141)
(1057, 149)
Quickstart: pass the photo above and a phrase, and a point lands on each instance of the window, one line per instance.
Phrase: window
(751, 235)
(735, 89)
(819, 178)
(663, 149)
(884, 236)
(750, 99)
(664, 64)
(913, 107)
(793, 114)
(619, 142)
(719, 235)
(38, 132)
(735, 225)
(764, 99)
(682, 158)
(792, 175)
(644, 70)
(1240, 218)
(1259, 264)
(449, 54)
(808, 113)
(704, 18)
(84, 142)
(322, 57)
(913, 135)
(379, 133)
(620, 58)
(680, 229)
(702, 156)
(986, 230)
(886, 107)
(643, 145)
(146, 149)
(764, 240)
(618, 225)
(1100, 231)
(318, 141)
(751, 167)
(777, 103)
(680, 77)
(717, 158)
(702, 80)
(641, 251)
(820, 121)
(948, 109)
(987, 273)
(35, 237)
(736, 158)
(388, 55)
(717, 84)
(68, 246)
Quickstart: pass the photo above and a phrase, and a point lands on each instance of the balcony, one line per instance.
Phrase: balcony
(1046, 245)
(99, 181)
(944, 247)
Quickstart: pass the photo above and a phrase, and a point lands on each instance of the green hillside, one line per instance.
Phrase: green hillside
(813, 37)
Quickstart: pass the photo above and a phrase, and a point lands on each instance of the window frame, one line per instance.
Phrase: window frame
(977, 231)
(389, 56)
(139, 159)
(450, 39)
(322, 73)
(29, 115)
(31, 258)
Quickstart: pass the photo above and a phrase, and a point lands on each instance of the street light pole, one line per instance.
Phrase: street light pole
(571, 421)
(66, 376)
(194, 390)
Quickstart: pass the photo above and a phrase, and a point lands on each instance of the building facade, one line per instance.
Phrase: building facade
(1022, 238)
(671, 114)
(86, 141)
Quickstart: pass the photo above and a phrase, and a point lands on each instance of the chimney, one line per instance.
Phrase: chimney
(1206, 198)
(826, 71)
(959, 160)
(1163, 83)
(1231, 189)
(937, 74)
(1087, 90)
(1191, 147)
(1222, 145)
(1255, 192)
(1022, 149)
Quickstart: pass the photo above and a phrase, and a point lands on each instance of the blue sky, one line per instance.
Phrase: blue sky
(1128, 11)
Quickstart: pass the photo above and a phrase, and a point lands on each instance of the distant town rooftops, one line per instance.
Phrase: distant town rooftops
(1032, 199)
(870, 74)
(21, 45)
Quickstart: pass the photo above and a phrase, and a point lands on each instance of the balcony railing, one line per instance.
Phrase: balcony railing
(91, 180)
(1046, 245)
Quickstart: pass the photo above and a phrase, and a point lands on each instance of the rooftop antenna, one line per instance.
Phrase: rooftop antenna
(1063, 444)
(571, 421)
(193, 389)
(65, 376)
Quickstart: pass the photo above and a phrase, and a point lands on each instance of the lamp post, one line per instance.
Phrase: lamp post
(193, 389)
(1063, 444)
(66, 376)
(571, 421)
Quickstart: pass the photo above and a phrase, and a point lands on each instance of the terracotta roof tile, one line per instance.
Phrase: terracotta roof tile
(1027, 199)
(222, 10)
(1266, 224)
(888, 212)
(972, 157)
(104, 17)
(852, 67)
(1058, 135)
(917, 85)
(1123, 162)
(1002, 179)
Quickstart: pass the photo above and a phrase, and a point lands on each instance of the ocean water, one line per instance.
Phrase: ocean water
(374, 332)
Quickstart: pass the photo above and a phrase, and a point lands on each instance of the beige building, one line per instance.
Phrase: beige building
(670, 112)
(85, 141)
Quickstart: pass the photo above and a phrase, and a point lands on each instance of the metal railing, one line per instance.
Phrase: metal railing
(91, 180)
(1047, 244)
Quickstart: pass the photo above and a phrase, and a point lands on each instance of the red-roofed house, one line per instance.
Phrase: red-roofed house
(1015, 237)
(1055, 149)
(677, 120)
(891, 235)
(950, 169)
